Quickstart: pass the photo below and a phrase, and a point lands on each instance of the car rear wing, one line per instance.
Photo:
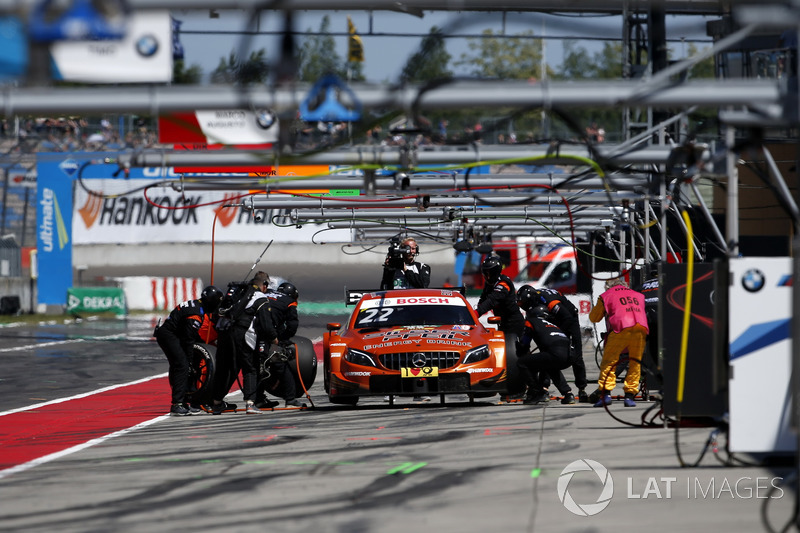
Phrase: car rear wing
(352, 296)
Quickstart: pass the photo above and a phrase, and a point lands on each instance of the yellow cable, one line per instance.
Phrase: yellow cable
(687, 312)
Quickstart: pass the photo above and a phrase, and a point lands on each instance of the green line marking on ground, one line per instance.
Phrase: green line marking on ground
(134, 459)
(405, 468)
(258, 462)
(536, 472)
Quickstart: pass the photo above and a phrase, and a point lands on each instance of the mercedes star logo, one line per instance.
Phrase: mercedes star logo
(419, 360)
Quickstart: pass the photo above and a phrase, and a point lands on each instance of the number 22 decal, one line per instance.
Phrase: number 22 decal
(375, 315)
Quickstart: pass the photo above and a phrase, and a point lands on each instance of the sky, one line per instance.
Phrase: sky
(391, 38)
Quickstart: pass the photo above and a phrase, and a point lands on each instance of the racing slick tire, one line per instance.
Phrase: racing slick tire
(306, 363)
(203, 367)
(514, 383)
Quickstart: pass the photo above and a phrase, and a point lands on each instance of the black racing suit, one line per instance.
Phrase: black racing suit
(565, 316)
(236, 348)
(500, 297)
(415, 276)
(282, 311)
(175, 337)
(553, 355)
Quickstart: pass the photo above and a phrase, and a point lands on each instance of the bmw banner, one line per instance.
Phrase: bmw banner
(144, 55)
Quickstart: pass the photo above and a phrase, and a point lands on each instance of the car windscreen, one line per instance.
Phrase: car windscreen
(385, 316)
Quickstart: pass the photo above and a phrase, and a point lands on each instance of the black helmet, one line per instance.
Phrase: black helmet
(491, 267)
(540, 311)
(527, 297)
(211, 296)
(289, 290)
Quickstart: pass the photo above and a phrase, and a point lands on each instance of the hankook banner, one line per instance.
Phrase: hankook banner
(142, 208)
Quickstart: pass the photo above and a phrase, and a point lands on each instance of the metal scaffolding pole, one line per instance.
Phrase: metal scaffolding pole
(395, 157)
(157, 100)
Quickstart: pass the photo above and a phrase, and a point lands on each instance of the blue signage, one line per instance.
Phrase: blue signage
(53, 233)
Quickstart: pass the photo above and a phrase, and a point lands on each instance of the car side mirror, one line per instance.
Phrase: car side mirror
(494, 320)
(333, 326)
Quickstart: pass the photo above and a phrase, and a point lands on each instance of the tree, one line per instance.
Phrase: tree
(232, 70)
(186, 76)
(703, 69)
(505, 58)
(318, 55)
(430, 61)
(578, 64)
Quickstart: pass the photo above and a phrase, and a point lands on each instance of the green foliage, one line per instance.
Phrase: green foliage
(505, 58)
(231, 70)
(702, 70)
(578, 64)
(318, 55)
(430, 61)
(186, 76)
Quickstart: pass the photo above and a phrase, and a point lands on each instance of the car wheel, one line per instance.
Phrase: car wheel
(203, 369)
(514, 383)
(306, 363)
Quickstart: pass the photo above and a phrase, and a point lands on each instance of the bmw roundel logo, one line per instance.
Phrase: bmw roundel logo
(147, 45)
(265, 118)
(753, 280)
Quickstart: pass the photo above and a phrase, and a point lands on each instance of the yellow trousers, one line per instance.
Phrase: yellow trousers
(633, 339)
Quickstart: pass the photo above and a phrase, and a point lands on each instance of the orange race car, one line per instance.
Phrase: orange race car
(416, 342)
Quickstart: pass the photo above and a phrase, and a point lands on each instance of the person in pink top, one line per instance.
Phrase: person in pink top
(626, 322)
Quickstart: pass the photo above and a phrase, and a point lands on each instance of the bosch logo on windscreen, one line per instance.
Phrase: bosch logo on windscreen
(432, 300)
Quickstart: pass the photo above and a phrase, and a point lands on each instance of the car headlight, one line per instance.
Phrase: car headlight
(358, 357)
(477, 354)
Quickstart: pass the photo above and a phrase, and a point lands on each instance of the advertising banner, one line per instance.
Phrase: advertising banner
(760, 336)
(53, 223)
(144, 55)
(231, 127)
(142, 209)
(96, 300)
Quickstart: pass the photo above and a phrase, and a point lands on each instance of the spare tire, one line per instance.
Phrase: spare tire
(203, 367)
(305, 364)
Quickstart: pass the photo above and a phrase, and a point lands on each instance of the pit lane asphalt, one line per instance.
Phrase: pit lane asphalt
(371, 468)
